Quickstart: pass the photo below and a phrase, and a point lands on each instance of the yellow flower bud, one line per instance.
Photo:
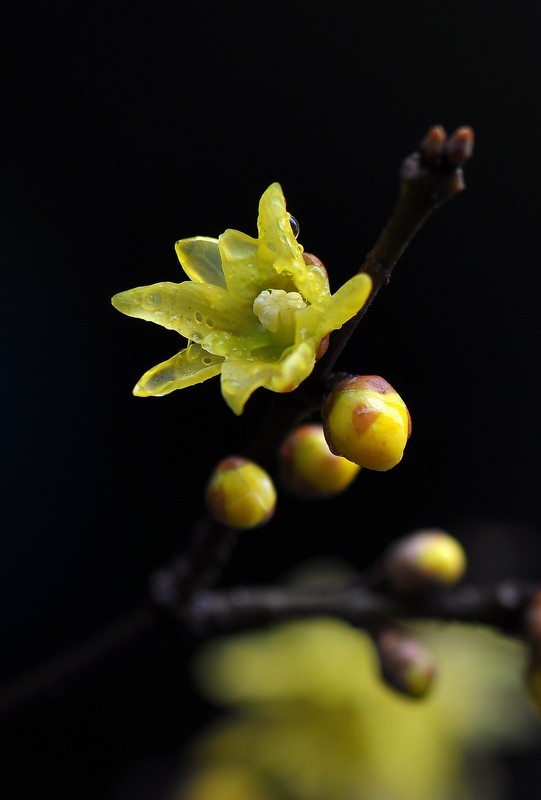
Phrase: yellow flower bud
(405, 663)
(240, 494)
(309, 469)
(367, 422)
(423, 560)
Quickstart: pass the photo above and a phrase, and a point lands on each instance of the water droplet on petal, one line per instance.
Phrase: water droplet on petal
(295, 227)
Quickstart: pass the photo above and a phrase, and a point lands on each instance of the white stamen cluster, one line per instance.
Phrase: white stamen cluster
(276, 308)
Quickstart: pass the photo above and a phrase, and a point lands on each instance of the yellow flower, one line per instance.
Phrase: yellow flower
(310, 715)
(253, 310)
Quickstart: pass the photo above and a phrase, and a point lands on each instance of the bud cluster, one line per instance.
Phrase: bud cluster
(413, 565)
(364, 423)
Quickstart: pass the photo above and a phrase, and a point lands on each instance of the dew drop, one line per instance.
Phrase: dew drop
(295, 227)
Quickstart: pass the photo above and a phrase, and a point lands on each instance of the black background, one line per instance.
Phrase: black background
(127, 127)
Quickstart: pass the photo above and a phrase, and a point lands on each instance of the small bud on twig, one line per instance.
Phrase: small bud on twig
(240, 494)
(307, 468)
(433, 145)
(459, 147)
(424, 560)
(366, 421)
(405, 663)
(532, 634)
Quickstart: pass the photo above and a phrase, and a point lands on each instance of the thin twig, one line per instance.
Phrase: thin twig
(53, 677)
(501, 606)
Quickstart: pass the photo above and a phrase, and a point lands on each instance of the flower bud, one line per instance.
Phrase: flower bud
(533, 679)
(307, 468)
(532, 621)
(423, 560)
(532, 635)
(367, 422)
(405, 663)
(240, 494)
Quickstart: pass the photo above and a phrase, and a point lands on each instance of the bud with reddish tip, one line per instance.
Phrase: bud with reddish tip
(533, 681)
(366, 421)
(423, 560)
(240, 494)
(532, 621)
(532, 633)
(406, 664)
(307, 468)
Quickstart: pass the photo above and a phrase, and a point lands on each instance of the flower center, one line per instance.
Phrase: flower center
(276, 309)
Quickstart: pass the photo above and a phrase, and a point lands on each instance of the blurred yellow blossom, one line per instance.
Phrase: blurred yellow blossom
(312, 721)
(253, 310)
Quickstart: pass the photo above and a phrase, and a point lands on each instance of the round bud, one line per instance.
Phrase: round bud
(240, 494)
(405, 663)
(532, 634)
(423, 560)
(533, 680)
(532, 621)
(307, 468)
(367, 422)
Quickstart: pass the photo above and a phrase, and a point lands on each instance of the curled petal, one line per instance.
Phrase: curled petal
(345, 303)
(192, 365)
(201, 260)
(342, 306)
(241, 378)
(279, 247)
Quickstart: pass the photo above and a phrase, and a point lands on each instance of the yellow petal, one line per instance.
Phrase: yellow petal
(192, 309)
(241, 378)
(345, 303)
(192, 365)
(245, 274)
(155, 303)
(200, 259)
(278, 247)
(274, 225)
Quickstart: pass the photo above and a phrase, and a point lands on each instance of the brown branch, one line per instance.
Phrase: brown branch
(53, 678)
(501, 606)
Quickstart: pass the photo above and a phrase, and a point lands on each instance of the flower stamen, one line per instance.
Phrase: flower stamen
(276, 308)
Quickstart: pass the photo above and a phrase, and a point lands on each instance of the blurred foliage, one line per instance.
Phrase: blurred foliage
(309, 718)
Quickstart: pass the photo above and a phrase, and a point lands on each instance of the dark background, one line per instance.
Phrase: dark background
(127, 127)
